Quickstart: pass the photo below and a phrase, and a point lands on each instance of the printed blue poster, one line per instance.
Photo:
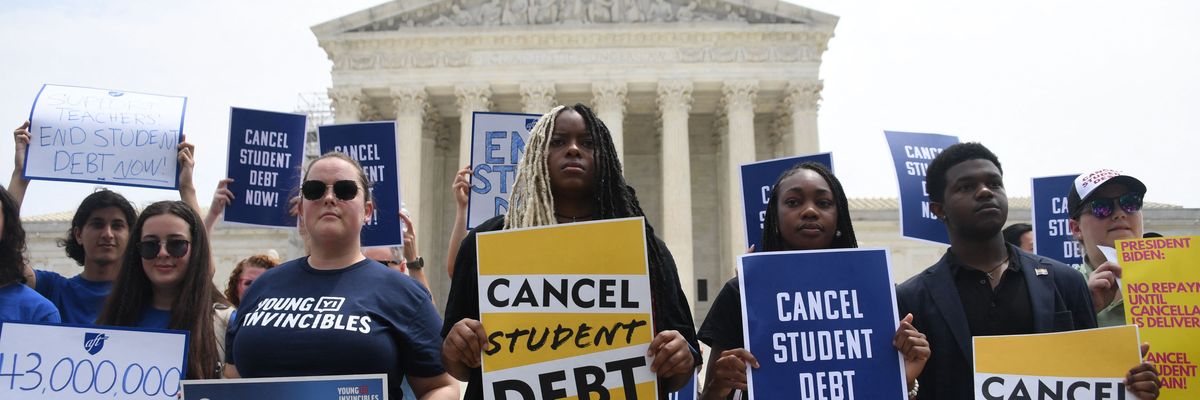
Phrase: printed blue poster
(497, 142)
(266, 150)
(1051, 230)
(820, 324)
(333, 387)
(757, 179)
(687, 392)
(372, 144)
(912, 153)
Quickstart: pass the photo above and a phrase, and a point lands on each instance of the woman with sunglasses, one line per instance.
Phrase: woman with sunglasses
(336, 312)
(570, 173)
(165, 282)
(1105, 206)
(807, 210)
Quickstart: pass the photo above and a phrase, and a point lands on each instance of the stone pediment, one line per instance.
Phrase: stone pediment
(401, 15)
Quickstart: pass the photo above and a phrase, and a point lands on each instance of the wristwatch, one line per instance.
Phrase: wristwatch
(417, 263)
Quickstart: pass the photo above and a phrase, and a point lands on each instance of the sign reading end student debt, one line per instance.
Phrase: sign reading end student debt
(41, 361)
(108, 136)
(1084, 364)
(1051, 221)
(372, 144)
(820, 324)
(1162, 295)
(497, 142)
(912, 153)
(757, 179)
(266, 150)
(567, 312)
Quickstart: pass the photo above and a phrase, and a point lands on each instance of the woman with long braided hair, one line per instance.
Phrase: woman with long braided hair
(570, 173)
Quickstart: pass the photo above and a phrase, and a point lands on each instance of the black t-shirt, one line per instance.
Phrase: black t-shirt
(670, 308)
(722, 327)
(1003, 310)
(300, 321)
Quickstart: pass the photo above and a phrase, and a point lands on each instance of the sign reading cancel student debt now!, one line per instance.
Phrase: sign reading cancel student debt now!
(1162, 295)
(99, 135)
(912, 153)
(1085, 364)
(820, 324)
(567, 312)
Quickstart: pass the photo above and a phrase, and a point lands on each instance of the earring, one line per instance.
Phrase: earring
(837, 234)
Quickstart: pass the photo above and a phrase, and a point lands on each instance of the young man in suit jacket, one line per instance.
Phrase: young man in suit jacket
(983, 286)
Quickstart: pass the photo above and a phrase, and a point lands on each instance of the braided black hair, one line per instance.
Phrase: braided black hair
(772, 240)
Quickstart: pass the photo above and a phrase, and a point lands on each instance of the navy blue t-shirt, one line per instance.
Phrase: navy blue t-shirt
(20, 303)
(299, 321)
(78, 300)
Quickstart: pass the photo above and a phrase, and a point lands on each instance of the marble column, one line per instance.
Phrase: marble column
(609, 103)
(738, 102)
(537, 97)
(347, 104)
(470, 98)
(409, 101)
(675, 102)
(802, 104)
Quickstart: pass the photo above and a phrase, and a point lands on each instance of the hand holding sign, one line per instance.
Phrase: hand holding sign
(464, 346)
(1103, 285)
(913, 345)
(729, 372)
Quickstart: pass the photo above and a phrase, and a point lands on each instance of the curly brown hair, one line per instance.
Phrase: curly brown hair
(259, 261)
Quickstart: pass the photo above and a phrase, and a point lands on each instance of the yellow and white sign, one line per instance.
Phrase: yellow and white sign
(1162, 295)
(567, 311)
(1085, 364)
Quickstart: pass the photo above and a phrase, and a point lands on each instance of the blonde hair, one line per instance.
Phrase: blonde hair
(532, 201)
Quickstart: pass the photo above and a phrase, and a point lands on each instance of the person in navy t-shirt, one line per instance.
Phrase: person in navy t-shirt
(166, 283)
(17, 302)
(335, 311)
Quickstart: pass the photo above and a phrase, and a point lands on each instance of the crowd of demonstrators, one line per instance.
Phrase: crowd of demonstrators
(1021, 235)
(387, 320)
(570, 173)
(987, 282)
(807, 210)
(983, 286)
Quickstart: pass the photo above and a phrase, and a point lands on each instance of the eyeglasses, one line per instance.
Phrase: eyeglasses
(388, 262)
(343, 190)
(175, 248)
(1103, 207)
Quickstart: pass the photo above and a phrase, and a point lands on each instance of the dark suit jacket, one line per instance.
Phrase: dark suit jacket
(1058, 294)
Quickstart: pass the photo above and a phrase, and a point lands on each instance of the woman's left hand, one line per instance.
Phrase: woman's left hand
(185, 154)
(671, 353)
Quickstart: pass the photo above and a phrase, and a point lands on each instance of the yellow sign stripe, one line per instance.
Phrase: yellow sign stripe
(616, 247)
(563, 329)
(1093, 353)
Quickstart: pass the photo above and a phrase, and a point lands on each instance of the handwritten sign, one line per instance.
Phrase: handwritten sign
(266, 150)
(108, 136)
(1083, 364)
(567, 311)
(497, 143)
(912, 153)
(1051, 221)
(41, 361)
(757, 179)
(820, 324)
(372, 144)
(1162, 296)
(332, 387)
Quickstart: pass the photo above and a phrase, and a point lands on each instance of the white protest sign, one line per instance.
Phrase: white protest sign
(107, 136)
(39, 361)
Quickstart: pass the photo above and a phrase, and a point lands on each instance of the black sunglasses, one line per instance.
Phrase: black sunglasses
(387, 262)
(1102, 207)
(343, 190)
(175, 248)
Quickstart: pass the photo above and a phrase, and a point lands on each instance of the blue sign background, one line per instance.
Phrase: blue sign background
(302, 388)
(757, 179)
(765, 275)
(1051, 233)
(384, 227)
(259, 201)
(916, 221)
(497, 144)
